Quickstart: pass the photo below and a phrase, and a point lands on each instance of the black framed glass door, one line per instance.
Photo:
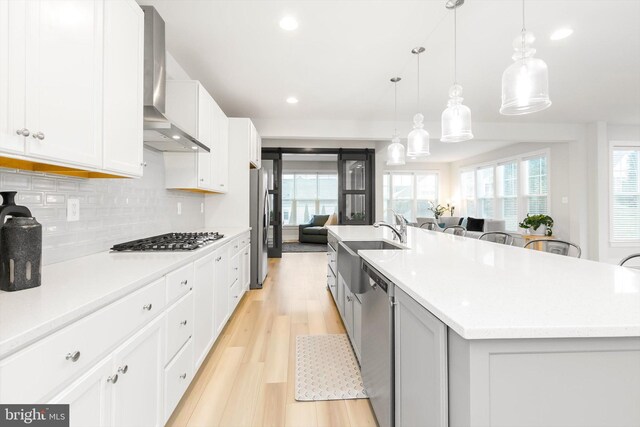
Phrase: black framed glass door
(356, 182)
(272, 165)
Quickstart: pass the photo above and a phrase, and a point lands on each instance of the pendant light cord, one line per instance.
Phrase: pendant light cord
(395, 108)
(455, 46)
(524, 28)
(418, 97)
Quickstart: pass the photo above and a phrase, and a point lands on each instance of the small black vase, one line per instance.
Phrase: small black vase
(20, 246)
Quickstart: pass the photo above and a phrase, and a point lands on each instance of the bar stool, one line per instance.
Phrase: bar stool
(456, 230)
(497, 237)
(559, 247)
(429, 226)
(625, 261)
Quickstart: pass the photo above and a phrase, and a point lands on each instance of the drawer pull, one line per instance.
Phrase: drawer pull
(246, 253)
(235, 268)
(218, 259)
(123, 369)
(73, 356)
(113, 379)
(23, 132)
(183, 376)
(183, 323)
(349, 298)
(184, 282)
(147, 307)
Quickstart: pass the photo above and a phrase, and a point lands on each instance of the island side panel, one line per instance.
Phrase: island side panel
(544, 382)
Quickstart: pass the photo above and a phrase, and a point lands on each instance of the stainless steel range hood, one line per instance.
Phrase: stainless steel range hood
(159, 131)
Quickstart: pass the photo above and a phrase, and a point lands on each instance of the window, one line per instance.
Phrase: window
(306, 194)
(409, 194)
(625, 194)
(508, 190)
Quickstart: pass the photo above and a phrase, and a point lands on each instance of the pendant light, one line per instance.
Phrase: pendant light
(395, 150)
(418, 139)
(525, 83)
(456, 118)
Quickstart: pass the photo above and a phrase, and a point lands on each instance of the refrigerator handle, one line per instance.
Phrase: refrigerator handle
(266, 219)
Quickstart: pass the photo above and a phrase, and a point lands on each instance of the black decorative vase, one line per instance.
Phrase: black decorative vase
(20, 246)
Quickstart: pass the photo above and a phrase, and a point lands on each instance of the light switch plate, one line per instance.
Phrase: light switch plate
(179, 208)
(73, 210)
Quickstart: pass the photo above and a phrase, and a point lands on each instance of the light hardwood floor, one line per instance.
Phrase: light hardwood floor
(248, 378)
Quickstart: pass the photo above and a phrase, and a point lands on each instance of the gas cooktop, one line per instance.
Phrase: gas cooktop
(169, 242)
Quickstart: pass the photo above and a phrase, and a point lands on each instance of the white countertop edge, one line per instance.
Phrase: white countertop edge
(17, 342)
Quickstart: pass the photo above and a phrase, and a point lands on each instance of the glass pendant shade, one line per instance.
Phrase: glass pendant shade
(418, 139)
(525, 83)
(395, 152)
(456, 118)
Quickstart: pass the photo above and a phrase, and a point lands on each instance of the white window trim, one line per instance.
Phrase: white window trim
(317, 201)
(413, 173)
(612, 146)
(519, 159)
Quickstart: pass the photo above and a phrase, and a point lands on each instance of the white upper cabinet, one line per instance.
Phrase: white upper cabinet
(255, 147)
(71, 85)
(123, 87)
(192, 109)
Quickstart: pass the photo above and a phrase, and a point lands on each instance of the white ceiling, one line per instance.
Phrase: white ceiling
(339, 61)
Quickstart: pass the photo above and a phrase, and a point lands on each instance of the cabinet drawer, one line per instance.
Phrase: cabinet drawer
(331, 261)
(179, 282)
(177, 376)
(235, 294)
(179, 325)
(234, 270)
(244, 240)
(32, 373)
(331, 282)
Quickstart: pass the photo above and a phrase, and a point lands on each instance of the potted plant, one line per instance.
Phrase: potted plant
(439, 210)
(540, 224)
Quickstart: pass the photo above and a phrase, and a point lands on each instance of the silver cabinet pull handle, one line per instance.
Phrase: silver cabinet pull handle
(73, 356)
(123, 369)
(38, 135)
(218, 259)
(143, 164)
(23, 132)
(183, 323)
(183, 376)
(147, 307)
(113, 379)
(184, 282)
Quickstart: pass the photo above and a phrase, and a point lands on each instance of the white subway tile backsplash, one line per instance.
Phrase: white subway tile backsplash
(111, 210)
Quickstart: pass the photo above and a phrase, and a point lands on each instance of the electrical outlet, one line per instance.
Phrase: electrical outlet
(73, 210)
(201, 207)
(565, 200)
(179, 208)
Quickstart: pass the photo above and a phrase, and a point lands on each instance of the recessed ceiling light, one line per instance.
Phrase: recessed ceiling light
(292, 100)
(176, 137)
(561, 33)
(288, 23)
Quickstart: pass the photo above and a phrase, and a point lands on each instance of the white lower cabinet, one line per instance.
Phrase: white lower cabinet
(89, 397)
(178, 375)
(204, 333)
(221, 291)
(137, 379)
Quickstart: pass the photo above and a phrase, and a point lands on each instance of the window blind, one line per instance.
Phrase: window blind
(625, 206)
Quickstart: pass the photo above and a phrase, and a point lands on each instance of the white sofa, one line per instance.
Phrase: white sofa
(489, 224)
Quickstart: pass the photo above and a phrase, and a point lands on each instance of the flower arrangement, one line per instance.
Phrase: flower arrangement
(533, 222)
(439, 210)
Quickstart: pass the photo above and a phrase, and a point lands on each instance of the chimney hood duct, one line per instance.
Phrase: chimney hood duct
(159, 131)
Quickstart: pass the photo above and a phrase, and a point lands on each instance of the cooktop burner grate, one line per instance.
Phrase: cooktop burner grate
(169, 242)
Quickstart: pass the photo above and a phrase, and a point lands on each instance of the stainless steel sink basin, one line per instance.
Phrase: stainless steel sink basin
(349, 261)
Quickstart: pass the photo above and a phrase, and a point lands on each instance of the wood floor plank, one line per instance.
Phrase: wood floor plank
(301, 414)
(210, 406)
(243, 397)
(248, 378)
(271, 406)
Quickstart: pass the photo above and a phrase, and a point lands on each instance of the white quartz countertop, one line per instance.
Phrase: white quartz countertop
(73, 289)
(484, 290)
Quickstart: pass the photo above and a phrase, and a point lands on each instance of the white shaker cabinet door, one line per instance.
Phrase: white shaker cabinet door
(88, 397)
(221, 291)
(64, 80)
(204, 332)
(123, 87)
(137, 393)
(12, 76)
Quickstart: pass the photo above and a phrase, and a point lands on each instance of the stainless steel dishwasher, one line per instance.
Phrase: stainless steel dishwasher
(377, 344)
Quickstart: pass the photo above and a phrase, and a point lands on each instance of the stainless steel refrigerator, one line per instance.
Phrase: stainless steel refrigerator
(259, 222)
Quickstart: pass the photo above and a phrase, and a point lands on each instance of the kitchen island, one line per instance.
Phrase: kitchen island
(494, 335)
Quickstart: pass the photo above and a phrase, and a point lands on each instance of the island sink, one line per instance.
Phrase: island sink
(349, 262)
